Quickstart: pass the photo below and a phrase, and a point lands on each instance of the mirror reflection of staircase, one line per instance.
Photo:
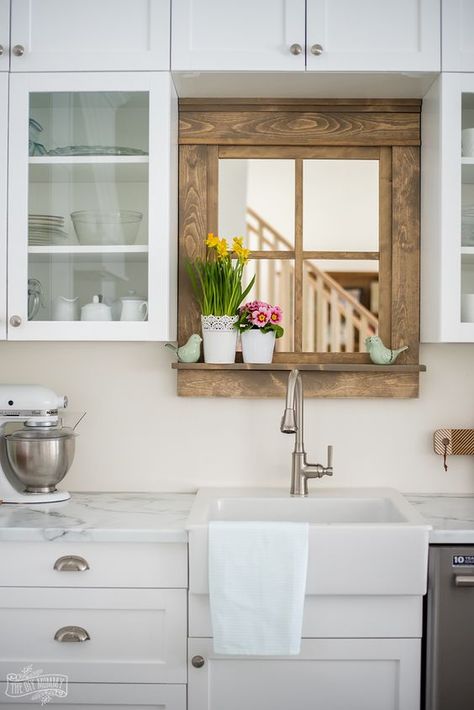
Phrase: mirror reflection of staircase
(334, 319)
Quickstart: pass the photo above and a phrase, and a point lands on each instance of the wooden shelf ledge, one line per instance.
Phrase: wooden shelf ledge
(312, 367)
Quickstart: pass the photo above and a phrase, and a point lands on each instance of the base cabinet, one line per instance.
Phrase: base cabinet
(94, 696)
(335, 674)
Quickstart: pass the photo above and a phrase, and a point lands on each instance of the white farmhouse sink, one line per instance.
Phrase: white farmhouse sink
(364, 541)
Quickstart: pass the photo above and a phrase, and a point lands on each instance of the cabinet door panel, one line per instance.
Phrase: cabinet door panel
(135, 636)
(100, 36)
(458, 35)
(374, 35)
(94, 696)
(3, 202)
(4, 35)
(102, 151)
(360, 674)
(245, 36)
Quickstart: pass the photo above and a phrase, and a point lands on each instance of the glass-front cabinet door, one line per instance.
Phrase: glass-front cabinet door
(91, 220)
(3, 202)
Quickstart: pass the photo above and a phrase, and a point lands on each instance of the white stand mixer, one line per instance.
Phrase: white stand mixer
(37, 407)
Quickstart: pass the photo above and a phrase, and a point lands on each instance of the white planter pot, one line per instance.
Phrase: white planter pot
(257, 347)
(219, 339)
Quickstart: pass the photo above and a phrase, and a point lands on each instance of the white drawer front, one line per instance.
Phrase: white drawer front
(96, 696)
(136, 636)
(110, 564)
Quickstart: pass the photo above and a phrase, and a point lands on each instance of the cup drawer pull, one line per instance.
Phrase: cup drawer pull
(464, 580)
(71, 634)
(71, 563)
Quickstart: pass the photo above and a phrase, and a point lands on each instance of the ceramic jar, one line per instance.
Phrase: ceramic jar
(219, 339)
(133, 309)
(96, 310)
(257, 347)
(66, 308)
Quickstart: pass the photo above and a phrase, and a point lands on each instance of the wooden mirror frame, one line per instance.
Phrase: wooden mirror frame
(390, 129)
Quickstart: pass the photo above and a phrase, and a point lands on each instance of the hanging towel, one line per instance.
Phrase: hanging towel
(257, 581)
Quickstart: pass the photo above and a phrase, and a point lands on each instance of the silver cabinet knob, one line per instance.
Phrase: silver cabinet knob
(71, 634)
(2, 49)
(18, 50)
(296, 49)
(15, 321)
(316, 49)
(198, 661)
(71, 563)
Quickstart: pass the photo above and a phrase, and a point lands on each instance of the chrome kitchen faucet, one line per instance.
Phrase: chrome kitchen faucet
(292, 423)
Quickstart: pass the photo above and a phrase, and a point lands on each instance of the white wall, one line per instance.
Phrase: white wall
(139, 436)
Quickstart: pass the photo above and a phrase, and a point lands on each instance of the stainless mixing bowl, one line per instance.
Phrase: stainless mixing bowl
(40, 458)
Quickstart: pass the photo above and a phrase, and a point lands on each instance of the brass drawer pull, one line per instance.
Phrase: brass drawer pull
(71, 563)
(71, 634)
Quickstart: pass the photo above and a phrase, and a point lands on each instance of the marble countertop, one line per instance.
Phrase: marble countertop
(161, 517)
(452, 517)
(100, 517)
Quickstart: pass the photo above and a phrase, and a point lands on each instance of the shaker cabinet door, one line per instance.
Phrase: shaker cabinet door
(3, 202)
(96, 35)
(4, 35)
(458, 35)
(242, 36)
(373, 35)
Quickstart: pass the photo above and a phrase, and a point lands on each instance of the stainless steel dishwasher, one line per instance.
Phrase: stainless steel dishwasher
(450, 628)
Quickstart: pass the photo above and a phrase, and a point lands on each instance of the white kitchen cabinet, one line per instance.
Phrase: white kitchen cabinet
(3, 202)
(335, 35)
(4, 35)
(458, 35)
(447, 211)
(96, 696)
(373, 35)
(360, 674)
(95, 35)
(102, 145)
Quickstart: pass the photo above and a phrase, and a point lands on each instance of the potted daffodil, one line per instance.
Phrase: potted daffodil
(217, 284)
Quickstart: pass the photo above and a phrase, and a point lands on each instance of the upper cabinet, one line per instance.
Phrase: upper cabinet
(91, 218)
(320, 35)
(96, 35)
(447, 276)
(373, 35)
(458, 35)
(3, 201)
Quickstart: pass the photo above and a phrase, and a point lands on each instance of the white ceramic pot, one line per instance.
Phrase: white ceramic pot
(219, 339)
(66, 308)
(257, 347)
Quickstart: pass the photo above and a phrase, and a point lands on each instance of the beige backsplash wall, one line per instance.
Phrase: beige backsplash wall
(139, 436)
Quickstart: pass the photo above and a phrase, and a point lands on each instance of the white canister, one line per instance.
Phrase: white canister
(468, 142)
(133, 309)
(467, 307)
(219, 339)
(96, 310)
(257, 347)
(66, 308)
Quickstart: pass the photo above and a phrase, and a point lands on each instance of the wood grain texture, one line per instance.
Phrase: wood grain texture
(304, 152)
(298, 273)
(287, 128)
(305, 366)
(385, 245)
(192, 230)
(267, 104)
(260, 384)
(406, 251)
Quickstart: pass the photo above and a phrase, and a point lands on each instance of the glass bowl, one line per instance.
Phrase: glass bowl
(94, 227)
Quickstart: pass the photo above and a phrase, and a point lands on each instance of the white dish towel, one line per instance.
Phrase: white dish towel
(257, 581)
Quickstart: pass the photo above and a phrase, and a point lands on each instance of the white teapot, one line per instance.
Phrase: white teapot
(96, 310)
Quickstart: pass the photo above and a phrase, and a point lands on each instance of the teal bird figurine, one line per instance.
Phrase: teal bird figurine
(379, 354)
(190, 351)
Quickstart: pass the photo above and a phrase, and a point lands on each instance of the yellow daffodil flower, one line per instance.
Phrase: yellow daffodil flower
(212, 240)
(222, 249)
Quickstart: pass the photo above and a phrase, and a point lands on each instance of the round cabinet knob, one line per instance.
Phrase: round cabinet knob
(316, 49)
(2, 49)
(198, 661)
(296, 49)
(15, 321)
(18, 50)
(71, 634)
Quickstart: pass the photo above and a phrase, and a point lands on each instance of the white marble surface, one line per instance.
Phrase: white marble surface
(452, 517)
(100, 517)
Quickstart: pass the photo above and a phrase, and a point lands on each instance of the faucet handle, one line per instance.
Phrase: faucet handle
(330, 458)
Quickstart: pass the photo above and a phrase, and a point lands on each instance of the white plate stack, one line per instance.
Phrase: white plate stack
(45, 229)
(467, 226)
